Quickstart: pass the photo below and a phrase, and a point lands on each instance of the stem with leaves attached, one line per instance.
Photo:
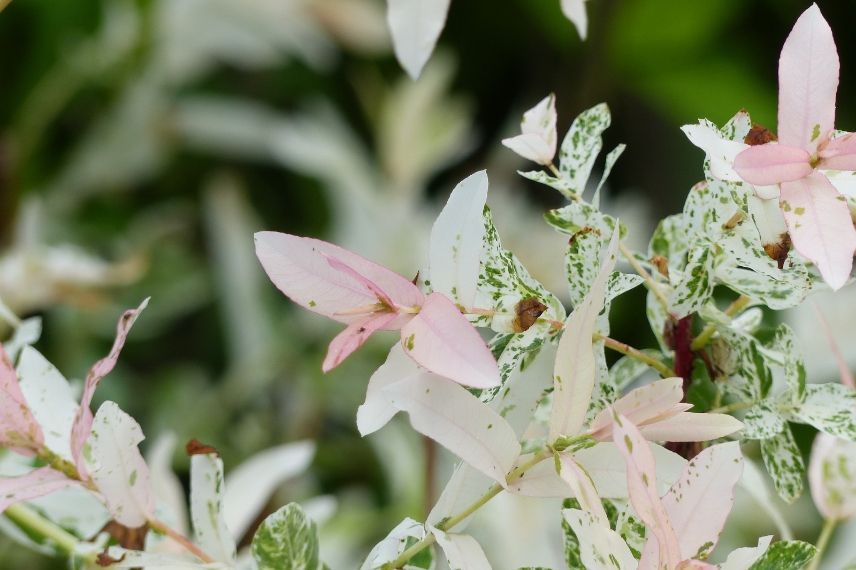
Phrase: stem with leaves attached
(454, 520)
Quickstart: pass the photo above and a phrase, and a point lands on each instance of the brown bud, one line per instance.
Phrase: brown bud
(526, 312)
(196, 447)
(759, 135)
(662, 265)
(778, 251)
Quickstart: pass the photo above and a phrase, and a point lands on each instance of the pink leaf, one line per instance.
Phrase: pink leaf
(83, 420)
(772, 164)
(379, 293)
(642, 488)
(839, 154)
(689, 426)
(42, 481)
(699, 502)
(820, 226)
(442, 340)
(19, 429)
(808, 80)
(640, 406)
(574, 371)
(302, 269)
(353, 337)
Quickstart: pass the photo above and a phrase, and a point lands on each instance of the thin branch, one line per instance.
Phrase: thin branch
(161, 527)
(707, 333)
(665, 370)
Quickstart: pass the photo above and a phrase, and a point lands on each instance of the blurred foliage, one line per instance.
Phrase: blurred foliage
(143, 141)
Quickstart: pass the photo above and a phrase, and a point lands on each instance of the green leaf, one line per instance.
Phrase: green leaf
(741, 358)
(695, 287)
(286, 540)
(560, 184)
(577, 216)
(785, 465)
(763, 421)
(786, 555)
(671, 240)
(831, 408)
(504, 282)
(784, 342)
(581, 146)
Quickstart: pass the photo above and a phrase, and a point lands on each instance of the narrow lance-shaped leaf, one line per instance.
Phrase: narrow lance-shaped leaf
(206, 508)
(83, 421)
(583, 488)
(642, 487)
(699, 502)
(574, 373)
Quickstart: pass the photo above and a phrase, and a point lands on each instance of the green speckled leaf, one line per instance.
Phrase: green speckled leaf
(581, 146)
(762, 421)
(696, 285)
(831, 408)
(786, 555)
(784, 464)
(286, 540)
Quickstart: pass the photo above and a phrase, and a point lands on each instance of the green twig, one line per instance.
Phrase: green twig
(36, 525)
(650, 283)
(665, 370)
(453, 521)
(822, 542)
(707, 333)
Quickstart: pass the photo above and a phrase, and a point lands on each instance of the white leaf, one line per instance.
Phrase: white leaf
(377, 410)
(447, 413)
(415, 26)
(604, 464)
(166, 485)
(575, 11)
(206, 508)
(574, 372)
(456, 241)
(117, 467)
(744, 558)
(461, 551)
(700, 501)
(394, 543)
(465, 486)
(50, 397)
(250, 485)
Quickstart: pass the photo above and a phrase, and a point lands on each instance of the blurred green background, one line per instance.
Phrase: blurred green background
(143, 142)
